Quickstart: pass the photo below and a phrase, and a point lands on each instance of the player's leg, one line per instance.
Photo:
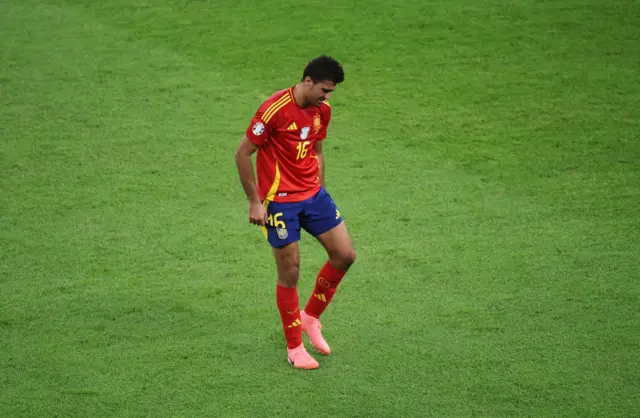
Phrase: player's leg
(337, 243)
(323, 220)
(288, 262)
(283, 233)
(327, 225)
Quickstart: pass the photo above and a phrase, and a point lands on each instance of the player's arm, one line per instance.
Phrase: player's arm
(322, 134)
(317, 148)
(257, 212)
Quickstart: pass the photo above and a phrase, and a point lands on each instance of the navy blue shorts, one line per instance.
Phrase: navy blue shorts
(316, 215)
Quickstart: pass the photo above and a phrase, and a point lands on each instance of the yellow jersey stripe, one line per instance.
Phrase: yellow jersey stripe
(272, 109)
(274, 186)
(276, 103)
(272, 112)
(270, 195)
(262, 227)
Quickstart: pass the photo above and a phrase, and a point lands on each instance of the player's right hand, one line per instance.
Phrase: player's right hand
(257, 213)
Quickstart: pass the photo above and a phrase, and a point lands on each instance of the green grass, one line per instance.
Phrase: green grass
(485, 154)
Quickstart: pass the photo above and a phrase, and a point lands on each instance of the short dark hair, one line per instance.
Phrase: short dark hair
(324, 68)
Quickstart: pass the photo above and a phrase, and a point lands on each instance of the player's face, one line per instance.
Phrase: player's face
(319, 92)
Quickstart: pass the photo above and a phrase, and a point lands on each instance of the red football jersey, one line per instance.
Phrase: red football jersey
(285, 134)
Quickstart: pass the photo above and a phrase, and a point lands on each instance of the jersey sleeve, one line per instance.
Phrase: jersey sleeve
(326, 118)
(259, 130)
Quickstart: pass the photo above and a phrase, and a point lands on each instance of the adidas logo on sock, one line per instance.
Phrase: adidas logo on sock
(320, 296)
(295, 323)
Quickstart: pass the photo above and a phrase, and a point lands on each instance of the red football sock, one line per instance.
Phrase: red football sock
(326, 286)
(287, 300)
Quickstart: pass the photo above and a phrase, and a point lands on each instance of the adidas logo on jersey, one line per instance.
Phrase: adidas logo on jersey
(292, 127)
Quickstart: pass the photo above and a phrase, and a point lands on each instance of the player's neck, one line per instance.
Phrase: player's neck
(299, 96)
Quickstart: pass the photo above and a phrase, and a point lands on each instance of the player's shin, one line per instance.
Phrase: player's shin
(288, 305)
(325, 288)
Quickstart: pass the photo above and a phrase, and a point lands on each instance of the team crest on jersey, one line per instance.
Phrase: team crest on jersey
(304, 132)
(282, 233)
(317, 124)
(258, 128)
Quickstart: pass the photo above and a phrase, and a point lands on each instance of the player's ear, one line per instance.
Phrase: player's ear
(308, 81)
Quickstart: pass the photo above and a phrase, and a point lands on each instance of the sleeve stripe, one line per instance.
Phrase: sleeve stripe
(274, 104)
(274, 108)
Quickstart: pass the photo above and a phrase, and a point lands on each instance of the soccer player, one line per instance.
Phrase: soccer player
(287, 131)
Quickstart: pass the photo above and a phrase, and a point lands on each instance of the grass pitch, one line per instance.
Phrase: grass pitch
(485, 156)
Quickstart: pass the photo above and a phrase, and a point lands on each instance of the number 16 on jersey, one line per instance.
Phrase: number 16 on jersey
(302, 149)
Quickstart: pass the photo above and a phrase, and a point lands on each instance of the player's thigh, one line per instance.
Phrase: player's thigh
(283, 224)
(320, 214)
(322, 219)
(337, 242)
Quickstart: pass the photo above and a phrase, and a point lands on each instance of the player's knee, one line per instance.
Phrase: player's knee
(293, 271)
(346, 259)
(350, 257)
(288, 262)
(288, 274)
